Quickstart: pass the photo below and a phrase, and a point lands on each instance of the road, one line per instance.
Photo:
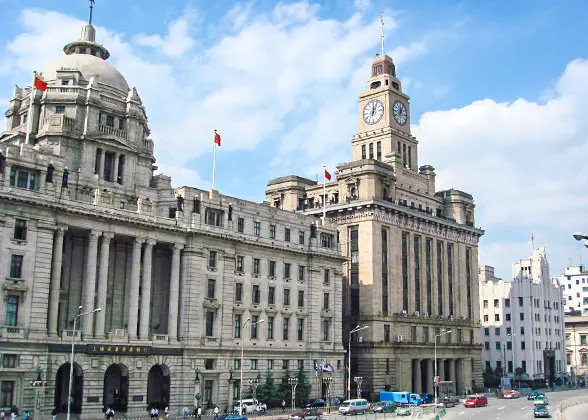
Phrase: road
(577, 412)
(517, 409)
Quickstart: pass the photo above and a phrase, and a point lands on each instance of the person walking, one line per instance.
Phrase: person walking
(283, 405)
(53, 413)
(199, 413)
(25, 415)
(166, 411)
(185, 412)
(216, 412)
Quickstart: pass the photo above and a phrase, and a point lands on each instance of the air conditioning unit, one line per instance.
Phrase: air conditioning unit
(399, 339)
(119, 332)
(417, 313)
(404, 313)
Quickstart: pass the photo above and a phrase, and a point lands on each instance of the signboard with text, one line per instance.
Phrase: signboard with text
(118, 349)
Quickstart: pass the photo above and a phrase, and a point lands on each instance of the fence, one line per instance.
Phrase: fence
(559, 413)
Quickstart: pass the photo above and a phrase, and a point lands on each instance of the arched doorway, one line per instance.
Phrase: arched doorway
(158, 386)
(116, 387)
(62, 388)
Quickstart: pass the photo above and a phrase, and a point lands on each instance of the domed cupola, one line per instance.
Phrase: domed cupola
(87, 44)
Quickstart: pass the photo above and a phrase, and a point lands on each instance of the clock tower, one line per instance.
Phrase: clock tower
(384, 117)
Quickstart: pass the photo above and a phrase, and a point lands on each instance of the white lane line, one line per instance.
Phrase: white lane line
(524, 408)
(500, 408)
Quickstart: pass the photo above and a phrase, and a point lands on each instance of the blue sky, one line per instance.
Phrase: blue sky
(498, 94)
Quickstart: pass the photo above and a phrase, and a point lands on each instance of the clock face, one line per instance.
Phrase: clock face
(400, 114)
(373, 111)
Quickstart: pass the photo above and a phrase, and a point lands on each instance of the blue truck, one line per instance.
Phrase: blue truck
(401, 398)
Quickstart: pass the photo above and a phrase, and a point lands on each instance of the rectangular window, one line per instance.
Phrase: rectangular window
(60, 109)
(211, 288)
(301, 271)
(285, 364)
(271, 295)
(272, 231)
(16, 266)
(213, 217)
(239, 292)
(209, 323)
(498, 345)
(253, 364)
(521, 302)
(256, 264)
(212, 259)
(507, 317)
(301, 237)
(240, 266)
(285, 326)
(287, 235)
(404, 257)
(327, 276)
(270, 327)
(379, 150)
(270, 364)
(507, 303)
(7, 393)
(428, 274)
(300, 329)
(110, 121)
(237, 325)
(450, 277)
(413, 334)
(468, 270)
(371, 146)
(287, 270)
(417, 272)
(286, 297)
(509, 345)
(326, 240)
(386, 333)
(496, 317)
(485, 304)
(254, 320)
(496, 331)
(197, 205)
(9, 360)
(255, 294)
(256, 228)
(486, 331)
(240, 225)
(440, 277)
(20, 230)
(487, 345)
(496, 303)
(325, 300)
(426, 334)
(326, 335)
(272, 269)
(363, 152)
(522, 316)
(236, 364)
(301, 298)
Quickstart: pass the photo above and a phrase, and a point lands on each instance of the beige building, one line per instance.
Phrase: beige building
(577, 349)
(177, 272)
(412, 251)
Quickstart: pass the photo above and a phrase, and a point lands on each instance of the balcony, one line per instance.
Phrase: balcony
(68, 335)
(12, 332)
(326, 313)
(58, 124)
(111, 131)
(211, 303)
(159, 338)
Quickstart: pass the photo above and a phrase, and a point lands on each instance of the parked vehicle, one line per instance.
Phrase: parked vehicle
(427, 398)
(233, 416)
(384, 407)
(478, 400)
(512, 394)
(317, 403)
(401, 398)
(356, 406)
(249, 406)
(447, 402)
(541, 400)
(532, 395)
(403, 411)
(307, 413)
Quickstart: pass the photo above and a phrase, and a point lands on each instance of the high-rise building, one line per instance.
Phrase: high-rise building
(523, 321)
(575, 293)
(194, 287)
(412, 251)
(577, 350)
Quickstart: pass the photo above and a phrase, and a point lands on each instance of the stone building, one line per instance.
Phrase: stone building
(575, 282)
(577, 349)
(412, 251)
(177, 272)
(523, 321)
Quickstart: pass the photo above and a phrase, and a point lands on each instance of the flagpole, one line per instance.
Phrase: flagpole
(324, 195)
(213, 162)
(30, 114)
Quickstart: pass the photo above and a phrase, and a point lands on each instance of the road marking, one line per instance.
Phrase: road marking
(460, 413)
(500, 408)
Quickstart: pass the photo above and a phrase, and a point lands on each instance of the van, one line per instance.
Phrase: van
(249, 406)
(357, 406)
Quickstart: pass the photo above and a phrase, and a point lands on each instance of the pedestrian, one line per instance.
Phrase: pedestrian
(166, 411)
(283, 405)
(199, 413)
(185, 412)
(216, 412)
(109, 413)
(53, 413)
(25, 415)
(153, 413)
(12, 415)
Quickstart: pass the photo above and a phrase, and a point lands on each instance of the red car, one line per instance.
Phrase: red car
(476, 401)
(512, 394)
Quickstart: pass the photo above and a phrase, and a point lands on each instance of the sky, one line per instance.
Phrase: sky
(498, 95)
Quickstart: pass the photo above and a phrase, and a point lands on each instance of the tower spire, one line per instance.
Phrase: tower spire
(91, 8)
(382, 34)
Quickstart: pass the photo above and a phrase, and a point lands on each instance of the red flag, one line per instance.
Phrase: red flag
(327, 174)
(217, 138)
(39, 84)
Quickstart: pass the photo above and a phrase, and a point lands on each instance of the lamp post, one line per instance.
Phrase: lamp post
(196, 388)
(230, 408)
(242, 349)
(328, 380)
(436, 379)
(358, 328)
(293, 382)
(514, 359)
(39, 387)
(358, 381)
(78, 314)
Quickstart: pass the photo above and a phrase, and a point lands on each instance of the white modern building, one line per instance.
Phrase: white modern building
(575, 294)
(522, 320)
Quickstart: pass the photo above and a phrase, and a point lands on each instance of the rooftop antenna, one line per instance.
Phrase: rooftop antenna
(382, 35)
(91, 7)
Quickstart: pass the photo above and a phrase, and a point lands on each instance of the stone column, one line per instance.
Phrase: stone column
(174, 293)
(231, 382)
(445, 280)
(115, 171)
(416, 365)
(90, 284)
(103, 283)
(441, 369)
(56, 279)
(146, 290)
(7, 169)
(430, 374)
(451, 368)
(410, 265)
(134, 292)
(101, 169)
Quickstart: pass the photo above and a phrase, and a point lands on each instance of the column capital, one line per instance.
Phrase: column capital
(94, 234)
(177, 246)
(107, 235)
(60, 229)
(150, 242)
(138, 241)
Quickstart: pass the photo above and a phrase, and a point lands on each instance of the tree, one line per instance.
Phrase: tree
(303, 389)
(284, 391)
(268, 391)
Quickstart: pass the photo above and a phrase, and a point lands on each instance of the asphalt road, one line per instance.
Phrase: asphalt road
(516, 409)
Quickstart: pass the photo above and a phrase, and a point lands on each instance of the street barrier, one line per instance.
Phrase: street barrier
(570, 402)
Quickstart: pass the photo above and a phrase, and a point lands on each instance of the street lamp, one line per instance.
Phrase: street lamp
(358, 381)
(328, 380)
(578, 236)
(358, 328)
(436, 382)
(39, 387)
(514, 359)
(242, 349)
(293, 382)
(78, 314)
(253, 384)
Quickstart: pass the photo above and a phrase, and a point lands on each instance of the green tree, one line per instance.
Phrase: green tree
(284, 391)
(268, 391)
(303, 389)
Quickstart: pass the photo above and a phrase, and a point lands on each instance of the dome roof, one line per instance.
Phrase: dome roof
(89, 66)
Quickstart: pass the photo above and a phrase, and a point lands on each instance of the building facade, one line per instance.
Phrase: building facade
(183, 277)
(412, 251)
(523, 321)
(577, 349)
(575, 283)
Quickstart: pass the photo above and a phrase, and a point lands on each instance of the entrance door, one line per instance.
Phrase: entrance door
(158, 387)
(116, 388)
(62, 388)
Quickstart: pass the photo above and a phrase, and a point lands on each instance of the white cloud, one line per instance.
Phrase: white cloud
(362, 5)
(176, 42)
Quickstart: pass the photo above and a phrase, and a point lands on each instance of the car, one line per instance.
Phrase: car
(448, 401)
(532, 395)
(512, 394)
(540, 411)
(317, 403)
(541, 400)
(235, 416)
(427, 398)
(306, 413)
(384, 407)
(478, 400)
(354, 406)
(403, 411)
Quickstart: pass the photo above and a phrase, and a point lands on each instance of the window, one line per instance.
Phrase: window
(110, 121)
(522, 316)
(211, 287)
(486, 345)
(523, 345)
(273, 231)
(509, 345)
(213, 217)
(584, 359)
(121, 124)
(9, 360)
(256, 263)
(237, 325)
(426, 334)
(413, 334)
(212, 259)
(379, 150)
(285, 325)
(326, 240)
(237, 364)
(16, 266)
(521, 302)
(496, 303)
(285, 364)
(60, 109)
(386, 333)
(240, 264)
(286, 270)
(254, 320)
(325, 330)
(22, 179)
(301, 237)
(270, 328)
(508, 331)
(325, 301)
(363, 152)
(271, 295)
(487, 332)
(300, 329)
(301, 298)
(20, 230)
(196, 206)
(371, 148)
(301, 270)
(255, 294)
(272, 269)
(253, 364)
(327, 276)
(496, 331)
(485, 304)
(287, 235)
(256, 228)
(209, 323)
(238, 292)
(498, 345)
(507, 317)
(286, 297)
(7, 399)
(496, 317)
(485, 318)
(507, 303)
(240, 225)
(583, 340)
(270, 363)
